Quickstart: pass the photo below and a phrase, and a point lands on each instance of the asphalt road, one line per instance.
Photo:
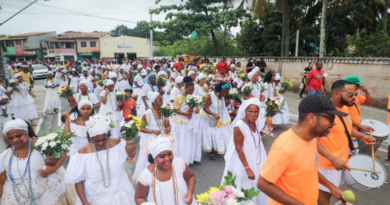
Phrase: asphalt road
(209, 173)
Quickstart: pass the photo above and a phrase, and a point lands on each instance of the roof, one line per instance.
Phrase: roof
(55, 39)
(8, 38)
(83, 35)
(31, 34)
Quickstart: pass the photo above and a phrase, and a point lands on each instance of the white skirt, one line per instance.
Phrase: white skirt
(142, 160)
(52, 100)
(186, 143)
(220, 137)
(282, 118)
(25, 112)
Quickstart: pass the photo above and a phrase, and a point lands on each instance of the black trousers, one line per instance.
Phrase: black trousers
(303, 90)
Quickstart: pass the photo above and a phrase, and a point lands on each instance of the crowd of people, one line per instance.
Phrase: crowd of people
(218, 124)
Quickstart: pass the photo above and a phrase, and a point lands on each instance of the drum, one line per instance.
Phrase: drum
(361, 180)
(381, 133)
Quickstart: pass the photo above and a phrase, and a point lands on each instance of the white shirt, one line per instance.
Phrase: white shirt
(174, 92)
(91, 97)
(126, 67)
(141, 81)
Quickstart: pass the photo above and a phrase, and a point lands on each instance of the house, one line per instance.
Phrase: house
(25, 46)
(75, 46)
(124, 47)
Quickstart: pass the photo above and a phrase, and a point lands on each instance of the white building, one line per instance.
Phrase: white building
(124, 47)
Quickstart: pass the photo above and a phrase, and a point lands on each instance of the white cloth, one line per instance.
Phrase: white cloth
(16, 124)
(123, 83)
(111, 106)
(52, 100)
(80, 140)
(174, 92)
(85, 167)
(91, 97)
(255, 155)
(55, 188)
(144, 93)
(166, 195)
(74, 82)
(279, 118)
(22, 104)
(332, 176)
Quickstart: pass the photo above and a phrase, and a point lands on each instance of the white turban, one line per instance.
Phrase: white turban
(73, 69)
(201, 76)
(17, 75)
(162, 73)
(84, 102)
(251, 74)
(109, 82)
(17, 124)
(97, 125)
(85, 69)
(152, 96)
(251, 101)
(112, 75)
(256, 69)
(191, 72)
(232, 65)
(243, 107)
(143, 72)
(50, 72)
(139, 66)
(277, 76)
(85, 82)
(179, 79)
(159, 145)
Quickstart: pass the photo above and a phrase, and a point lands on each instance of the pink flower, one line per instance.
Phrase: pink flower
(218, 197)
(34, 139)
(231, 196)
(229, 189)
(24, 138)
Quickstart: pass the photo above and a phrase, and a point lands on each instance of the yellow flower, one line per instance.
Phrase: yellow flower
(135, 94)
(204, 95)
(213, 190)
(218, 124)
(203, 198)
(138, 126)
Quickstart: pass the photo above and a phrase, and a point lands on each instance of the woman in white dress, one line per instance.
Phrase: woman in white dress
(156, 126)
(123, 80)
(22, 104)
(181, 125)
(167, 180)
(219, 122)
(246, 155)
(110, 105)
(85, 95)
(74, 80)
(98, 168)
(52, 100)
(280, 118)
(82, 112)
(202, 118)
(150, 86)
(138, 83)
(163, 74)
(22, 172)
(61, 77)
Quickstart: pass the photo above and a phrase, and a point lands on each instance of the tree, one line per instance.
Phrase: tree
(202, 16)
(3, 35)
(323, 24)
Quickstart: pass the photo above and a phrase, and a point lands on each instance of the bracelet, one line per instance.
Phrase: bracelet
(248, 167)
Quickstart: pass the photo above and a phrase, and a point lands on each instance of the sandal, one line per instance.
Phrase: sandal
(212, 156)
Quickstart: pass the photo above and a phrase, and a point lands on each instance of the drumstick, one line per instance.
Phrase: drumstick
(364, 170)
(372, 152)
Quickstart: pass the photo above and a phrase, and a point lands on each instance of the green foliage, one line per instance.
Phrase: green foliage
(231, 181)
(374, 45)
(3, 35)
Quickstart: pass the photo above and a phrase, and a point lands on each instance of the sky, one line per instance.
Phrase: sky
(76, 15)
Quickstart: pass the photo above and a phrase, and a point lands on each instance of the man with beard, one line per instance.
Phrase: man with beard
(290, 173)
(334, 149)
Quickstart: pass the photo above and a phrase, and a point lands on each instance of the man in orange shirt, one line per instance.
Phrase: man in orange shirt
(289, 176)
(334, 149)
(387, 162)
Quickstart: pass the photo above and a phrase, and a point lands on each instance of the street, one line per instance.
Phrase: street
(209, 173)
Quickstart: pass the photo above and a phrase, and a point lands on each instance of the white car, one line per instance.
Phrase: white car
(40, 71)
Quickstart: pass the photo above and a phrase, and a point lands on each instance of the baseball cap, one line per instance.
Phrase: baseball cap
(354, 79)
(317, 104)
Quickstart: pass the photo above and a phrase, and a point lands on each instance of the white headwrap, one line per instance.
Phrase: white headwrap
(160, 144)
(139, 66)
(109, 82)
(50, 72)
(84, 102)
(251, 74)
(277, 76)
(190, 73)
(143, 72)
(232, 65)
(179, 79)
(17, 75)
(97, 125)
(85, 82)
(148, 69)
(112, 75)
(241, 112)
(73, 69)
(201, 76)
(152, 96)
(90, 71)
(256, 69)
(162, 73)
(16, 124)
(85, 69)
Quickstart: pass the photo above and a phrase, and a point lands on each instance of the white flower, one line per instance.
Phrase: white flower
(277, 102)
(44, 145)
(189, 97)
(231, 201)
(128, 125)
(51, 136)
(52, 144)
(163, 107)
(122, 123)
(40, 141)
(58, 142)
(238, 193)
(123, 132)
(118, 93)
(12, 81)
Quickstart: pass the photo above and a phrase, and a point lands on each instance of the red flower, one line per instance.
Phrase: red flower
(128, 119)
(122, 130)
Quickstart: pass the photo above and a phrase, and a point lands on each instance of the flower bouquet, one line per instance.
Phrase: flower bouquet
(135, 97)
(192, 102)
(187, 71)
(167, 111)
(232, 95)
(113, 120)
(262, 75)
(247, 90)
(99, 75)
(120, 96)
(287, 84)
(172, 86)
(129, 130)
(100, 82)
(243, 76)
(262, 86)
(125, 73)
(227, 194)
(51, 145)
(13, 84)
(203, 100)
(273, 107)
(65, 91)
(133, 73)
(161, 82)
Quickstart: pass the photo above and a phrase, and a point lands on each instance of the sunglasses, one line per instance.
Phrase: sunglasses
(332, 118)
(350, 94)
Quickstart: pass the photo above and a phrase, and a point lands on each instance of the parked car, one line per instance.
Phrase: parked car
(40, 71)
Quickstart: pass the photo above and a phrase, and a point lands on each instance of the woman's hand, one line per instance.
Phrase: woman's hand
(33, 95)
(197, 110)
(217, 117)
(167, 130)
(188, 198)
(65, 114)
(250, 174)
(46, 172)
(16, 89)
(156, 132)
(262, 97)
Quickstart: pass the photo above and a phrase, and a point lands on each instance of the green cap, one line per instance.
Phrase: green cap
(354, 79)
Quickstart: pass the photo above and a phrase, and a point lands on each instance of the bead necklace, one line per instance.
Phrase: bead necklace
(159, 124)
(254, 140)
(157, 177)
(101, 167)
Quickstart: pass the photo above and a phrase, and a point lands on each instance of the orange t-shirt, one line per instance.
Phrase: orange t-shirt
(294, 172)
(337, 141)
(354, 111)
(388, 113)
(126, 107)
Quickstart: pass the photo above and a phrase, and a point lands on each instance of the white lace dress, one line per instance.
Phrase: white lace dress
(52, 100)
(142, 161)
(164, 191)
(47, 190)
(22, 104)
(80, 140)
(85, 167)
(255, 155)
(279, 118)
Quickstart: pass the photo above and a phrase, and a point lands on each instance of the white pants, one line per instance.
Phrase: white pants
(331, 175)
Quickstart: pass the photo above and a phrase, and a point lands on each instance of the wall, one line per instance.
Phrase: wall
(88, 49)
(34, 41)
(374, 72)
(109, 46)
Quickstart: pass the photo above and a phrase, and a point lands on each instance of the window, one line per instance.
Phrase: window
(83, 44)
(59, 45)
(18, 43)
(92, 43)
(50, 45)
(69, 45)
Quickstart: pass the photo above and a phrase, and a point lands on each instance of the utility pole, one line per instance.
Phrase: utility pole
(151, 35)
(18, 12)
(2, 63)
(297, 44)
